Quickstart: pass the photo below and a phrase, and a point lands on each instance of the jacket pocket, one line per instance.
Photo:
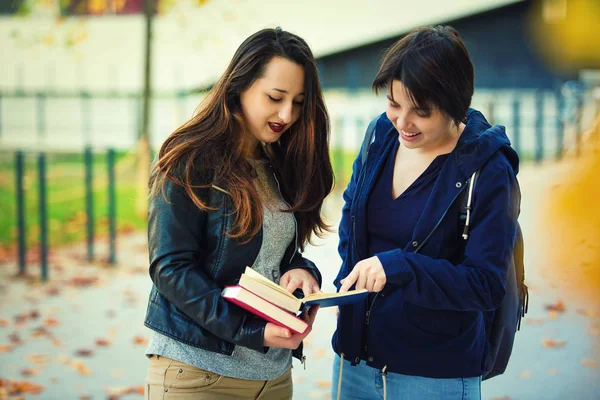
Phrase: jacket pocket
(443, 323)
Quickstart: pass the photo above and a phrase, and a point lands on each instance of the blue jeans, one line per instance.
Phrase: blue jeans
(362, 382)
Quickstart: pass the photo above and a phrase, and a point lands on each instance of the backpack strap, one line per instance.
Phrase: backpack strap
(369, 138)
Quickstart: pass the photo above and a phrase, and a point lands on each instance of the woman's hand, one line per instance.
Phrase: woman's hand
(299, 278)
(278, 336)
(368, 274)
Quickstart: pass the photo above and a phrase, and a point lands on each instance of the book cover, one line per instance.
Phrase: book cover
(263, 309)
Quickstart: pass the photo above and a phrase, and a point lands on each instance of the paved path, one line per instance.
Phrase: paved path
(81, 334)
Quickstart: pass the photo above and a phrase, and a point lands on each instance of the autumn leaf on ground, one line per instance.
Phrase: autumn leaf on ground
(319, 354)
(84, 352)
(30, 371)
(15, 338)
(39, 359)
(587, 362)
(34, 314)
(534, 321)
(558, 307)
(4, 323)
(83, 281)
(323, 384)
(52, 291)
(50, 322)
(80, 367)
(21, 319)
(140, 341)
(21, 387)
(525, 374)
(552, 314)
(102, 343)
(553, 344)
(5, 348)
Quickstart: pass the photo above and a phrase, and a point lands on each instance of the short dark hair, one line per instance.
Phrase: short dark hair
(433, 64)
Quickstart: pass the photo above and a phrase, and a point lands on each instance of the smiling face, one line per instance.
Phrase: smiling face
(273, 102)
(418, 128)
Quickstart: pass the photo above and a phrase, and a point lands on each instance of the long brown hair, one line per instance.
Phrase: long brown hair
(212, 141)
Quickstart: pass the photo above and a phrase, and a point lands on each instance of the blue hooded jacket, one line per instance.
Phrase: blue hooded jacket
(430, 319)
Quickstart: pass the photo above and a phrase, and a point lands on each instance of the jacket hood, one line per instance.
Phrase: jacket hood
(479, 142)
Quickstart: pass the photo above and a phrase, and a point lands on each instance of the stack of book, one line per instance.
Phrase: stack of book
(273, 303)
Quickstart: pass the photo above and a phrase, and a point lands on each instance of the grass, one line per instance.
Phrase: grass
(66, 198)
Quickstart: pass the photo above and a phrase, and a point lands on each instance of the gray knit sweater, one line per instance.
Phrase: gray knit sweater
(244, 363)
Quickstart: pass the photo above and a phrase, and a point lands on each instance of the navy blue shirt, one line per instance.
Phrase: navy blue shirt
(391, 222)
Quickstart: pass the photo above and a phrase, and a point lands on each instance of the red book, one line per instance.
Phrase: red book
(263, 309)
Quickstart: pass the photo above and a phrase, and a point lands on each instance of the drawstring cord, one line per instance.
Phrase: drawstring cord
(340, 377)
(384, 378)
(465, 234)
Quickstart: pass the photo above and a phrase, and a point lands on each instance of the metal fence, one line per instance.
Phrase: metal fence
(542, 125)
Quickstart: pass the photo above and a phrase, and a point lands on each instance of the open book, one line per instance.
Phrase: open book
(273, 293)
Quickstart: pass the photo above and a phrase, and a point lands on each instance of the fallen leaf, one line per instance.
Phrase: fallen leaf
(140, 341)
(39, 359)
(29, 372)
(102, 343)
(558, 307)
(21, 387)
(319, 354)
(4, 323)
(34, 314)
(84, 352)
(323, 384)
(81, 368)
(5, 348)
(52, 291)
(50, 322)
(15, 338)
(552, 314)
(534, 321)
(589, 363)
(21, 319)
(525, 374)
(553, 344)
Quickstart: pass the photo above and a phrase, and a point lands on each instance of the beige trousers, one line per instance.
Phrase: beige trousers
(170, 379)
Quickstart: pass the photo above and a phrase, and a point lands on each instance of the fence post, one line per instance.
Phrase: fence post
(517, 125)
(41, 115)
(112, 206)
(89, 201)
(560, 126)
(43, 216)
(539, 126)
(21, 229)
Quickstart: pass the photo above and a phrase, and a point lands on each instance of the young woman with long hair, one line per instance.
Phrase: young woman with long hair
(240, 184)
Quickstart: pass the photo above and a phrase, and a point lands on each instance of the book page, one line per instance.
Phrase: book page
(258, 277)
(319, 296)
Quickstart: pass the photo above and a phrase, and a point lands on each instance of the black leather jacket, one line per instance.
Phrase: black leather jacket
(191, 260)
